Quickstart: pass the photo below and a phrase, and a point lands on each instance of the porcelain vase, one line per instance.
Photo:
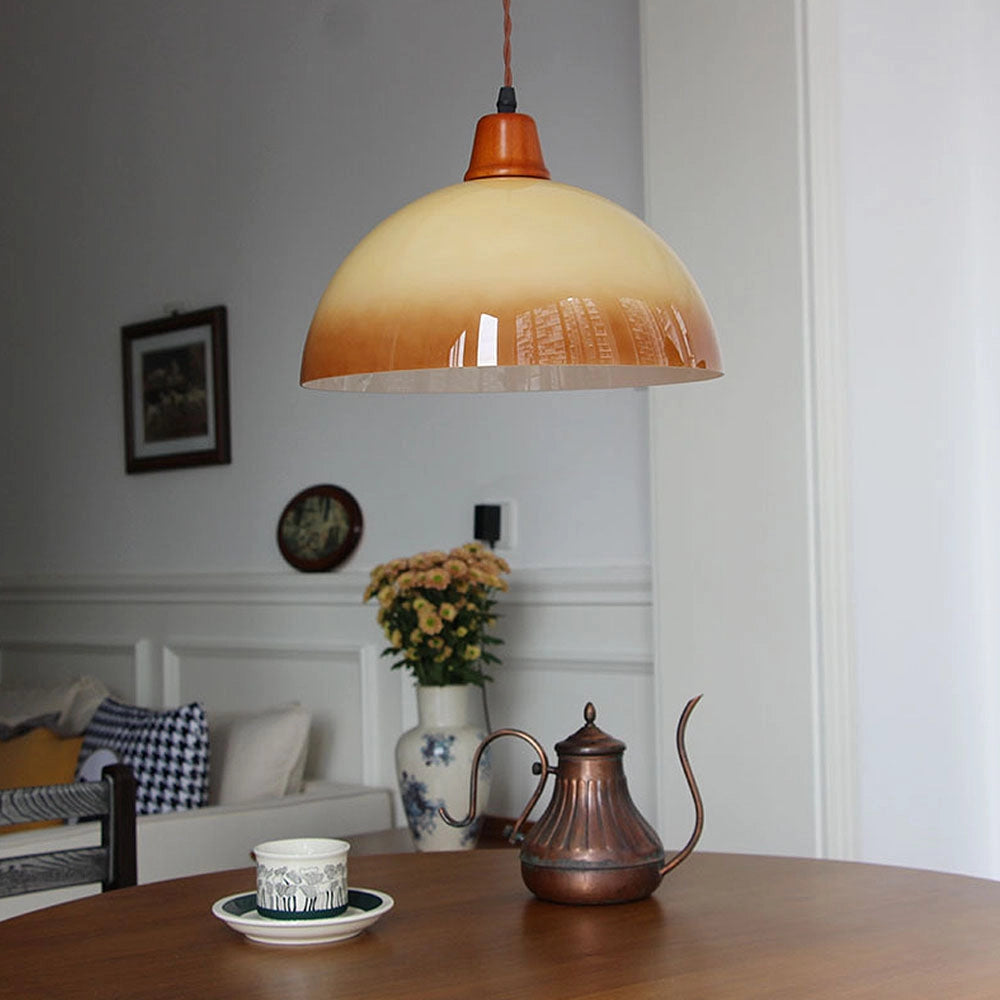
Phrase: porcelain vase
(434, 764)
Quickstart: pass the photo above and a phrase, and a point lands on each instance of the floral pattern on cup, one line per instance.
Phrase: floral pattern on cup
(305, 891)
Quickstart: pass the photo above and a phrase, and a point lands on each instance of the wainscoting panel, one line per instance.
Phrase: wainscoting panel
(239, 641)
(235, 676)
(38, 661)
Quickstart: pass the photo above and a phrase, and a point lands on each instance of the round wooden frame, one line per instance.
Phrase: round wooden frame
(307, 516)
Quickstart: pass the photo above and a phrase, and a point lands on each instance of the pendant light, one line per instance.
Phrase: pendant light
(509, 281)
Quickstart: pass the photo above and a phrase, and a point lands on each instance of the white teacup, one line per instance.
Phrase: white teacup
(302, 879)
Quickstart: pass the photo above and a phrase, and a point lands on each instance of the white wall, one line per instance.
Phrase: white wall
(742, 601)
(921, 162)
(730, 460)
(233, 152)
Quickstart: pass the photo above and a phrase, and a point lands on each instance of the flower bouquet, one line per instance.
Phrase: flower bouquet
(435, 609)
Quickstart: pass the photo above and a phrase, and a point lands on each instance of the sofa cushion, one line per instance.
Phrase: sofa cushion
(38, 757)
(258, 755)
(167, 751)
(65, 707)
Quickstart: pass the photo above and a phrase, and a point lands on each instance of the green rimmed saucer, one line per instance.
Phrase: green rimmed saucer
(364, 908)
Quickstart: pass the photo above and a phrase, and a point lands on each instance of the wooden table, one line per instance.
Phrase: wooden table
(720, 927)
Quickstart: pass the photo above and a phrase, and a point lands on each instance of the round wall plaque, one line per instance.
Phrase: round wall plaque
(319, 528)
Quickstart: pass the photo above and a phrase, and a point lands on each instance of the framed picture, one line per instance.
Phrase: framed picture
(319, 528)
(176, 378)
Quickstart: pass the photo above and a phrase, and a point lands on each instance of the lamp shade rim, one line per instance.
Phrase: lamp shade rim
(511, 378)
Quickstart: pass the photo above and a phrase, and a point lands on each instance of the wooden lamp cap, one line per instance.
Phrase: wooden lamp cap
(506, 145)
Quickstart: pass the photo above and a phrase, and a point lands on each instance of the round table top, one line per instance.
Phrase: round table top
(720, 926)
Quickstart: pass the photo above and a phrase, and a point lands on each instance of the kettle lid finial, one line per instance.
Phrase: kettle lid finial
(589, 740)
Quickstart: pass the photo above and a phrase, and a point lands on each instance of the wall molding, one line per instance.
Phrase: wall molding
(827, 398)
(69, 645)
(176, 648)
(576, 585)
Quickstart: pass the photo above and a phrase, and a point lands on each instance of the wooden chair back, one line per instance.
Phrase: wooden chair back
(112, 863)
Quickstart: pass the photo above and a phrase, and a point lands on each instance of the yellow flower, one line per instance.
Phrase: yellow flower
(376, 579)
(442, 597)
(457, 568)
(427, 560)
(430, 622)
(436, 579)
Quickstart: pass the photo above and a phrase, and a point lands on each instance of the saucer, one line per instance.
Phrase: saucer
(364, 907)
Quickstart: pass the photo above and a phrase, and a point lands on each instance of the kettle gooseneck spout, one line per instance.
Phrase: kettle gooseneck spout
(699, 808)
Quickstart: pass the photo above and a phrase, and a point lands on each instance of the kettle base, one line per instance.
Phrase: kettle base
(591, 886)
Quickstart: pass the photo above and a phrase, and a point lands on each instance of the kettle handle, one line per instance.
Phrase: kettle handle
(699, 809)
(542, 769)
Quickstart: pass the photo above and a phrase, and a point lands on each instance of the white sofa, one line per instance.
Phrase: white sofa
(215, 838)
(259, 756)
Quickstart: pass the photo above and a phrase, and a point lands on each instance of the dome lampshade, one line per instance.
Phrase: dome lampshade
(509, 282)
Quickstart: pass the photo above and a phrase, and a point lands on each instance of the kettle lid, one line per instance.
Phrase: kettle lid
(589, 740)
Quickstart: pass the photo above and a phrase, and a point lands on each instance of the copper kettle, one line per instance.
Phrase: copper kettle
(591, 845)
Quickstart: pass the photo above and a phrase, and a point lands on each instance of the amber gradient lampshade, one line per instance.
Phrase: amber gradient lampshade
(509, 281)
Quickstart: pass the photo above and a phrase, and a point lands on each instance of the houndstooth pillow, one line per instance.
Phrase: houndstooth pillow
(167, 751)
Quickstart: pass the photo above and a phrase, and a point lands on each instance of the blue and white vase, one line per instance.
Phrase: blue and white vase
(433, 766)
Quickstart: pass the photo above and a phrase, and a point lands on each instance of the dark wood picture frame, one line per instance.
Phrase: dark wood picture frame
(319, 528)
(175, 374)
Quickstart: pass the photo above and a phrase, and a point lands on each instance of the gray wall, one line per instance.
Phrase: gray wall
(232, 152)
